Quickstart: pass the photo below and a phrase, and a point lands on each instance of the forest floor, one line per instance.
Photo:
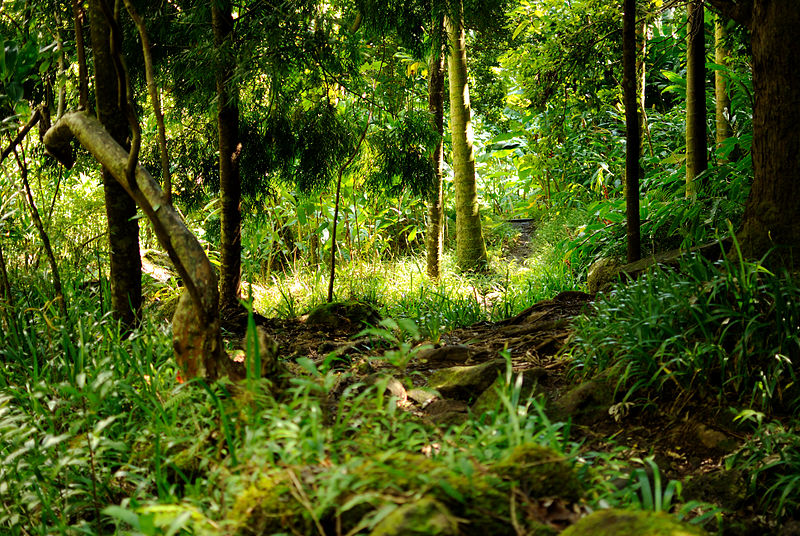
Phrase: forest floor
(445, 381)
(687, 440)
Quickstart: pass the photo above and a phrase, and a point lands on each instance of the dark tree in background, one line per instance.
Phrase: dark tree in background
(772, 212)
(435, 238)
(633, 137)
(229, 153)
(123, 227)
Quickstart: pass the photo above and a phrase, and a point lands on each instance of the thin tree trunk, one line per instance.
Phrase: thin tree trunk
(62, 84)
(470, 246)
(230, 273)
(155, 100)
(723, 100)
(633, 136)
(434, 236)
(48, 250)
(123, 227)
(83, 76)
(696, 144)
(5, 286)
(643, 31)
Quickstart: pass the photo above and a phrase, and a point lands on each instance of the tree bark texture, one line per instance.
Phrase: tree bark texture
(196, 325)
(772, 212)
(229, 153)
(633, 135)
(435, 235)
(723, 99)
(696, 143)
(470, 247)
(123, 227)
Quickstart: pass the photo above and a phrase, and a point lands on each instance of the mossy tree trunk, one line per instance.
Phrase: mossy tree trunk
(696, 143)
(229, 153)
(434, 238)
(633, 135)
(123, 227)
(470, 246)
(723, 99)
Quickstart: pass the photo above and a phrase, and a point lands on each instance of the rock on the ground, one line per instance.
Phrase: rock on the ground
(631, 523)
(425, 516)
(601, 274)
(466, 383)
(454, 353)
(489, 400)
(591, 398)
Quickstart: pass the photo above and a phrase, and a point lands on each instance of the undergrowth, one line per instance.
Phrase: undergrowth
(726, 330)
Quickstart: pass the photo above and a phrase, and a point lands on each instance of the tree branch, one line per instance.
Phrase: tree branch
(35, 117)
(196, 324)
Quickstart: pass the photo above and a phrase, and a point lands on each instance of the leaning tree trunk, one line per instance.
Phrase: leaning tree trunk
(696, 144)
(470, 247)
(434, 238)
(633, 137)
(229, 153)
(772, 212)
(196, 325)
(123, 227)
(723, 99)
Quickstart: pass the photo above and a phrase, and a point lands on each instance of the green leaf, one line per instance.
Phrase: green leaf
(123, 514)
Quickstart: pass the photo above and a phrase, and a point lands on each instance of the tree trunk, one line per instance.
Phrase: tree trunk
(696, 144)
(230, 273)
(83, 77)
(434, 238)
(723, 100)
(45, 238)
(5, 286)
(633, 135)
(123, 227)
(772, 212)
(643, 36)
(470, 247)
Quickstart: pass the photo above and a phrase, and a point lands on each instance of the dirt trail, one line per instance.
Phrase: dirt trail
(519, 248)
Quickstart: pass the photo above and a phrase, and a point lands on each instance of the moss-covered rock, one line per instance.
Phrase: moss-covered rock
(466, 383)
(426, 516)
(590, 399)
(631, 523)
(540, 472)
(432, 497)
(489, 400)
(268, 507)
(602, 274)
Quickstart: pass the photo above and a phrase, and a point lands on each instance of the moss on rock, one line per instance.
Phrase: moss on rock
(268, 507)
(631, 523)
(540, 472)
(465, 383)
(426, 516)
